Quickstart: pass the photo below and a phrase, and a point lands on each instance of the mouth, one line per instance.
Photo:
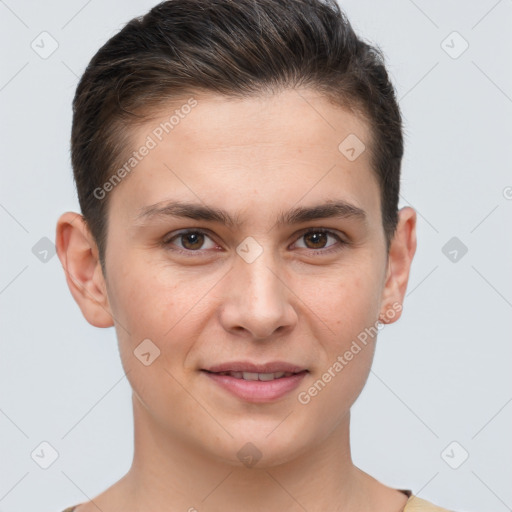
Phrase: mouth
(256, 383)
(265, 377)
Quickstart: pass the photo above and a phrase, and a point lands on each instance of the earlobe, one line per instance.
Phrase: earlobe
(78, 255)
(401, 253)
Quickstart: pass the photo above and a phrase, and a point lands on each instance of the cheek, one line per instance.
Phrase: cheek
(150, 300)
(347, 301)
(348, 346)
(153, 310)
(354, 304)
(158, 303)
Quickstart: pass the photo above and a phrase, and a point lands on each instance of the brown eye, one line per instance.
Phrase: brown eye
(316, 240)
(319, 239)
(192, 241)
(189, 241)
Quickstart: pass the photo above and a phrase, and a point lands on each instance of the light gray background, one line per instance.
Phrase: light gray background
(441, 374)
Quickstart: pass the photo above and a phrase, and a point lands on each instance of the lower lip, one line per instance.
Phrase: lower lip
(257, 390)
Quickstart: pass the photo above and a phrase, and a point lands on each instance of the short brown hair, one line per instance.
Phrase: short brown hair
(237, 48)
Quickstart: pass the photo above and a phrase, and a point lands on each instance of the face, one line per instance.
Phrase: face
(246, 253)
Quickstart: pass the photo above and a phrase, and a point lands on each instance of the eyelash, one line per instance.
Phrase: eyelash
(167, 242)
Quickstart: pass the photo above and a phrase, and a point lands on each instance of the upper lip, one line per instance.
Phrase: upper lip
(246, 366)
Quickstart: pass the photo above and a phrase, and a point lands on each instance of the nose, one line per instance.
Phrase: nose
(257, 300)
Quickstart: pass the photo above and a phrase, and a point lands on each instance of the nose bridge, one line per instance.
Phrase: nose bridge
(261, 279)
(257, 299)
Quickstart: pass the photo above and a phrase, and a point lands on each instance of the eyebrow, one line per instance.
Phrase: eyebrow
(196, 211)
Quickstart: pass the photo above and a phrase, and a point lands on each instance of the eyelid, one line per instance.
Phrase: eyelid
(167, 240)
(334, 247)
(186, 231)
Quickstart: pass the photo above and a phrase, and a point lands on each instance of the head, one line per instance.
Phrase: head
(237, 166)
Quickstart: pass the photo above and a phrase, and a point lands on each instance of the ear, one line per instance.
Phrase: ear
(78, 255)
(401, 253)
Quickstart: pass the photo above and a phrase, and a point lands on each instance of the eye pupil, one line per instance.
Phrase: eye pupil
(196, 240)
(317, 238)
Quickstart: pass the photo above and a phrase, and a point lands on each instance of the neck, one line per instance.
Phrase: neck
(167, 474)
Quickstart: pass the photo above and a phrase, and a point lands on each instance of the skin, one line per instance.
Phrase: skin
(304, 300)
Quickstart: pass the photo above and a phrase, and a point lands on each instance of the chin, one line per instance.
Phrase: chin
(261, 447)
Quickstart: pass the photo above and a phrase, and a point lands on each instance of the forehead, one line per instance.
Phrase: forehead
(290, 118)
(292, 145)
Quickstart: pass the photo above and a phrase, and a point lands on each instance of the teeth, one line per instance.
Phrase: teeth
(257, 376)
(250, 376)
(267, 376)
